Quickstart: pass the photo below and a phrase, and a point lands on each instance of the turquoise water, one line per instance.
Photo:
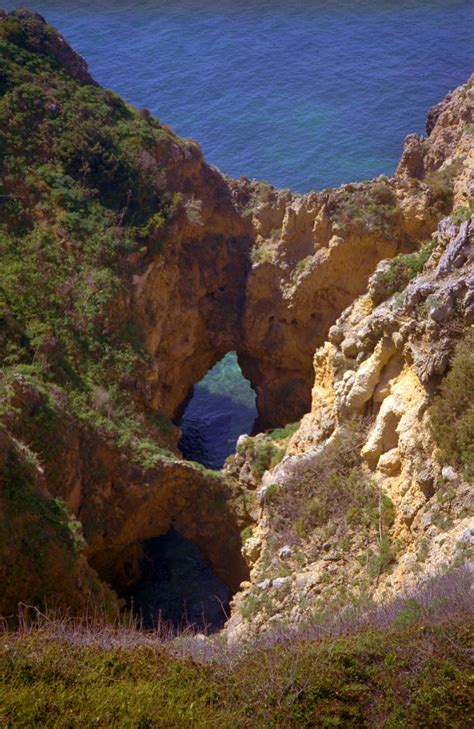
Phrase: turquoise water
(222, 407)
(303, 94)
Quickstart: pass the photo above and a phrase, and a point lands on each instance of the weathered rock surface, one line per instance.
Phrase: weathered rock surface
(266, 273)
(242, 266)
(404, 351)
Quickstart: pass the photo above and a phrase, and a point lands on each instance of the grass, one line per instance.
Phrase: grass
(412, 671)
(440, 184)
(395, 664)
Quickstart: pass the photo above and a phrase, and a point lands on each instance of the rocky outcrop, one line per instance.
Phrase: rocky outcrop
(119, 502)
(379, 369)
(266, 273)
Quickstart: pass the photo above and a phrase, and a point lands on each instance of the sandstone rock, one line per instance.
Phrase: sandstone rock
(285, 552)
(349, 347)
(426, 479)
(335, 334)
(367, 377)
(412, 161)
(409, 512)
(384, 435)
(449, 474)
(389, 463)
(442, 312)
(252, 549)
(457, 251)
(280, 582)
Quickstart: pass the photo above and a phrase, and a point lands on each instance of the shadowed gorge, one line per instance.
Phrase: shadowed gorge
(178, 586)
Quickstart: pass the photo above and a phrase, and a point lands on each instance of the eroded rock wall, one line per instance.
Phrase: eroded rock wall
(336, 527)
(266, 272)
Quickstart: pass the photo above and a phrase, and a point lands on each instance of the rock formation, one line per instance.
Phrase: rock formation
(181, 265)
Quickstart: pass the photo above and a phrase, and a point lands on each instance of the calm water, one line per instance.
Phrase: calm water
(222, 407)
(303, 94)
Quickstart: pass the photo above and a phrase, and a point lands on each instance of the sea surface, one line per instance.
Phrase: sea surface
(306, 95)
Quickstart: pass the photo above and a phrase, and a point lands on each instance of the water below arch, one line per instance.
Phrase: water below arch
(222, 408)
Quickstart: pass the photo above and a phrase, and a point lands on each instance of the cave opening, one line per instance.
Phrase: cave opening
(221, 408)
(178, 587)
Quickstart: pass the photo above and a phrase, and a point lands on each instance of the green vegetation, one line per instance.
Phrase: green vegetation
(263, 454)
(82, 204)
(440, 184)
(463, 213)
(373, 207)
(267, 456)
(301, 266)
(452, 413)
(260, 254)
(403, 268)
(360, 680)
(284, 433)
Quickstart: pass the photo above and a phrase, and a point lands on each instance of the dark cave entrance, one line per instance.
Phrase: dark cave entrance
(178, 587)
(221, 408)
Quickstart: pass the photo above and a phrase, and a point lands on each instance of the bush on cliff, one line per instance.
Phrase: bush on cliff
(452, 413)
(402, 269)
(373, 207)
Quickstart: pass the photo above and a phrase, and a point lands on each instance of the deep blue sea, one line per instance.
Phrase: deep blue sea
(303, 94)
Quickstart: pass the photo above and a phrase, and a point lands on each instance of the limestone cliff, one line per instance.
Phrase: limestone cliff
(375, 493)
(132, 266)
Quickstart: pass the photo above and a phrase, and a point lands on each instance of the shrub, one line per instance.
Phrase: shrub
(403, 268)
(334, 489)
(260, 254)
(440, 183)
(452, 413)
(266, 455)
(380, 561)
(463, 213)
(284, 433)
(373, 207)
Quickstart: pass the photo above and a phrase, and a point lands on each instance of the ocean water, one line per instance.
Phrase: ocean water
(305, 94)
(221, 409)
